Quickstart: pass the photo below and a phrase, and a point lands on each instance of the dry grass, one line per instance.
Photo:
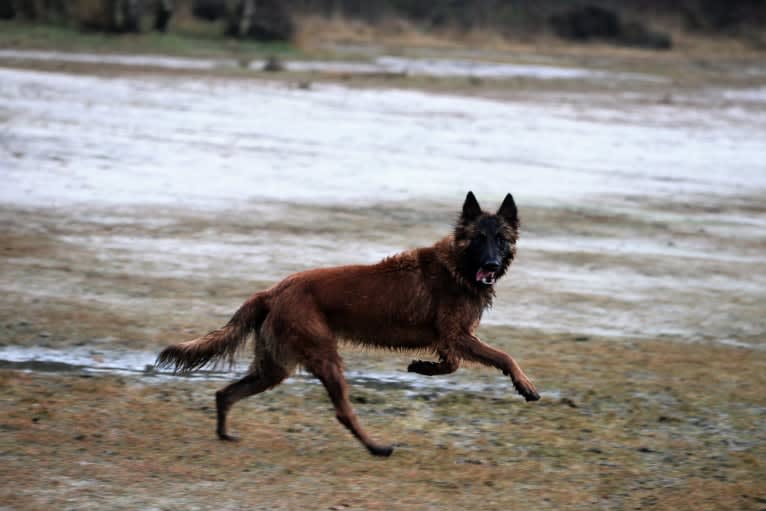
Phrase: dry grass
(649, 424)
(316, 33)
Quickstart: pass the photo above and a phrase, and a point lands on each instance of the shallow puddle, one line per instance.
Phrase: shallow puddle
(141, 364)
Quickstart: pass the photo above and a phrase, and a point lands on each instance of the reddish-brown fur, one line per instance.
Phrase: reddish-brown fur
(418, 300)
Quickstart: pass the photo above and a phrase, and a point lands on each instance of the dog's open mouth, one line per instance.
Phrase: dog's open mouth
(485, 277)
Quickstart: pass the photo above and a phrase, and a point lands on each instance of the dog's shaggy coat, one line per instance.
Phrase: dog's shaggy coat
(428, 299)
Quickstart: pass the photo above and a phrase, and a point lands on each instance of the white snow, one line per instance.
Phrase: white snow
(113, 144)
(73, 139)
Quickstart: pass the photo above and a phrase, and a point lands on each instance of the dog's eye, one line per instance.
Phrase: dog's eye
(500, 240)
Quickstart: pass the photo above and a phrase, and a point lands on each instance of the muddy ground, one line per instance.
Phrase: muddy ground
(636, 302)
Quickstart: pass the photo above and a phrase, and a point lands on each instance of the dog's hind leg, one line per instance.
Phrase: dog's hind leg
(268, 376)
(331, 376)
(471, 348)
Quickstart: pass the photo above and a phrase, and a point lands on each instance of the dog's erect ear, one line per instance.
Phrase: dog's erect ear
(471, 208)
(508, 211)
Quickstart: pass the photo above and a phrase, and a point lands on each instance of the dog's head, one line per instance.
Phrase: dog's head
(485, 242)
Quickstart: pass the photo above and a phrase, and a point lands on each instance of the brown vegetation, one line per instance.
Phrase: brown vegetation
(646, 24)
(638, 425)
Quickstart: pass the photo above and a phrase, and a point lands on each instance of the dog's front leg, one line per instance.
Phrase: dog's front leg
(446, 365)
(472, 348)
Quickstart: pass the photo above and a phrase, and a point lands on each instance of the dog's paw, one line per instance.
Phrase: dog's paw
(527, 390)
(531, 396)
(384, 451)
(417, 366)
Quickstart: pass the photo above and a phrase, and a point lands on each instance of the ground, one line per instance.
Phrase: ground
(635, 304)
(648, 424)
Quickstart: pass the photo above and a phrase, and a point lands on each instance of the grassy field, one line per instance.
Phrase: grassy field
(637, 425)
(624, 423)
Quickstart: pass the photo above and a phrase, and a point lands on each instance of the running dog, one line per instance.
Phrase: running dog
(429, 299)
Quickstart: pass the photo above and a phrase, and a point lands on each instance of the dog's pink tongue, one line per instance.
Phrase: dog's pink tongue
(481, 274)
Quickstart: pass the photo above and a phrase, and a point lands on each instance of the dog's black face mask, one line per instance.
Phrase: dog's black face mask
(487, 243)
(487, 250)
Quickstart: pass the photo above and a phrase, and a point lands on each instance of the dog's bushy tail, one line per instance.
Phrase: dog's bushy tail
(219, 344)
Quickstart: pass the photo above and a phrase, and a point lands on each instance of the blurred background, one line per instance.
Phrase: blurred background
(643, 23)
(161, 160)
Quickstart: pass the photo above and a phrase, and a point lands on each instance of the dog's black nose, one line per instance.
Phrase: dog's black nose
(491, 266)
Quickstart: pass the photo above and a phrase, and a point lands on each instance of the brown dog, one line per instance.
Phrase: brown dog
(425, 299)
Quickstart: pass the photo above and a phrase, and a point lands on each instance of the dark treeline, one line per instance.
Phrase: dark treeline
(533, 15)
(623, 21)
